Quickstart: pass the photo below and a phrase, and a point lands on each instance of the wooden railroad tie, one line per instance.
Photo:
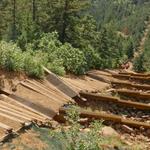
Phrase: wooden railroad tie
(109, 117)
(134, 94)
(98, 97)
(131, 77)
(135, 74)
(120, 84)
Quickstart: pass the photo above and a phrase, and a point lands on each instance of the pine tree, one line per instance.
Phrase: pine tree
(139, 63)
(14, 30)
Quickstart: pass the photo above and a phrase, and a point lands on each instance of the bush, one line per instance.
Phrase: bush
(60, 57)
(13, 59)
(73, 59)
(74, 139)
(139, 64)
(93, 58)
(10, 57)
(33, 65)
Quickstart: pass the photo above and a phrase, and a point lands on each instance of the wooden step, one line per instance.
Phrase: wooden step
(109, 117)
(98, 97)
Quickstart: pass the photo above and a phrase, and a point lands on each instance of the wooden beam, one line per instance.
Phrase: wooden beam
(18, 112)
(12, 118)
(21, 109)
(40, 92)
(6, 127)
(134, 94)
(36, 107)
(60, 84)
(109, 117)
(120, 84)
(99, 78)
(98, 97)
(12, 99)
(135, 74)
(3, 110)
(51, 91)
(130, 77)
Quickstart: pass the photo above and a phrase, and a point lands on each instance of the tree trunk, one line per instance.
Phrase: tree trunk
(64, 22)
(14, 20)
(33, 10)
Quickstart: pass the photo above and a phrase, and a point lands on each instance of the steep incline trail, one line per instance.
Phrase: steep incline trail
(141, 46)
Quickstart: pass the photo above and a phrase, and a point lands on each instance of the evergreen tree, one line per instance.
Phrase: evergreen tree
(130, 51)
(139, 63)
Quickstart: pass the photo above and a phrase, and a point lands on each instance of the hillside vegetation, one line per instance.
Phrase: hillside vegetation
(70, 35)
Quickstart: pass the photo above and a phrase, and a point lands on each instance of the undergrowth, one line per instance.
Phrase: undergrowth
(75, 138)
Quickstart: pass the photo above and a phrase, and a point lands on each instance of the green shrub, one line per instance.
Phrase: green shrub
(13, 59)
(48, 42)
(33, 65)
(57, 68)
(73, 59)
(139, 64)
(10, 57)
(74, 139)
(93, 58)
(60, 57)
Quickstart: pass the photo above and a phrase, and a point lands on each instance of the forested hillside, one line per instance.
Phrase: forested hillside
(71, 35)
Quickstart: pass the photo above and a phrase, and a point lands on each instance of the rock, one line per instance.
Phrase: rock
(142, 129)
(54, 124)
(66, 128)
(108, 131)
(83, 120)
(128, 143)
(127, 129)
(86, 130)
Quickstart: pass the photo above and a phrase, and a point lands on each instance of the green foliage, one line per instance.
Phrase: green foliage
(71, 35)
(60, 56)
(33, 65)
(142, 62)
(139, 63)
(93, 59)
(130, 50)
(73, 59)
(13, 59)
(110, 47)
(10, 57)
(74, 139)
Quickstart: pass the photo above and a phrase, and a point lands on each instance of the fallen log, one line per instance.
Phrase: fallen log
(98, 97)
(109, 117)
